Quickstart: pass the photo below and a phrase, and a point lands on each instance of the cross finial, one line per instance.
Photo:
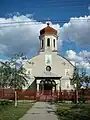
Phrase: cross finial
(47, 24)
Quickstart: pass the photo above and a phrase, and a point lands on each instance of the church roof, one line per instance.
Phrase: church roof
(48, 30)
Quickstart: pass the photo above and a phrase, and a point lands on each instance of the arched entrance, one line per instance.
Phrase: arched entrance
(47, 85)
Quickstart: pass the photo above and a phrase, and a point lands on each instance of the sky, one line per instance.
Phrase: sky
(71, 18)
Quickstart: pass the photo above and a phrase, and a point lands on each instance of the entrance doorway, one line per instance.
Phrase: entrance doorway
(47, 85)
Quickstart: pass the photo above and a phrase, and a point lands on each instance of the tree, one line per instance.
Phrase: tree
(75, 78)
(75, 81)
(4, 74)
(17, 77)
(12, 77)
(17, 80)
(86, 81)
(84, 78)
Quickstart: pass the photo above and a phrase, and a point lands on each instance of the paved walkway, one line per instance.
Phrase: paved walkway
(40, 111)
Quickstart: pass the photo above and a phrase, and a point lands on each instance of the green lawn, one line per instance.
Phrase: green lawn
(10, 112)
(73, 111)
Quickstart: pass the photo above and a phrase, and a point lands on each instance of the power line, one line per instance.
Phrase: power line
(46, 20)
(65, 1)
(56, 3)
(58, 6)
(34, 22)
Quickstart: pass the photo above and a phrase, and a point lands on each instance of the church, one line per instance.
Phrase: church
(48, 70)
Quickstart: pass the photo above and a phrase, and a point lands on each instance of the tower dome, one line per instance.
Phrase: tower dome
(48, 30)
(48, 39)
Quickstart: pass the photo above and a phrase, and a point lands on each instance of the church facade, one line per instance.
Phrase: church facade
(48, 70)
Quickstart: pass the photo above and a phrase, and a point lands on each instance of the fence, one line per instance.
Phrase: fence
(46, 95)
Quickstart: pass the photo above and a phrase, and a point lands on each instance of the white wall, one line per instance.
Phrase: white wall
(51, 48)
(57, 67)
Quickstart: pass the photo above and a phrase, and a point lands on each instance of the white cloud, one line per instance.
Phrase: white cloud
(78, 30)
(3, 48)
(15, 38)
(84, 54)
(88, 7)
(79, 58)
(73, 56)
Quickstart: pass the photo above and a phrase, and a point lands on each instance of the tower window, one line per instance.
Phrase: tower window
(54, 42)
(42, 44)
(48, 42)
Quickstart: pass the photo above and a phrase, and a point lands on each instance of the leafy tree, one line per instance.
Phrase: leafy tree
(84, 78)
(10, 76)
(17, 80)
(75, 78)
(4, 74)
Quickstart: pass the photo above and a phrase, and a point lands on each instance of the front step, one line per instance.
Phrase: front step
(45, 97)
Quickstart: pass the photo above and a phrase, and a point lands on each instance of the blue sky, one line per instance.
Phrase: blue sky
(44, 9)
(61, 10)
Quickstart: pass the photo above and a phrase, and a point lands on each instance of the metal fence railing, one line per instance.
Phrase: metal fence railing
(46, 95)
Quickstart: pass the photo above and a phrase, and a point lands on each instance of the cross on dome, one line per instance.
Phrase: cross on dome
(48, 24)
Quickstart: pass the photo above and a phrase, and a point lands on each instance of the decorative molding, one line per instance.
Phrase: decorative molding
(64, 63)
(31, 63)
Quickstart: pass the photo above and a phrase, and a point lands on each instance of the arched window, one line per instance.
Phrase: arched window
(54, 42)
(42, 44)
(48, 42)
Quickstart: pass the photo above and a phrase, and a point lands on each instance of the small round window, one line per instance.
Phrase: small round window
(48, 68)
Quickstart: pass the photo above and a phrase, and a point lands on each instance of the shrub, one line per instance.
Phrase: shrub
(5, 102)
(74, 112)
(82, 99)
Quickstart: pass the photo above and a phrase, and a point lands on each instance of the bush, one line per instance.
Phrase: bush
(82, 99)
(74, 112)
(5, 102)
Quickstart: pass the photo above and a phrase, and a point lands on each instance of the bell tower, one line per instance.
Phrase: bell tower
(48, 39)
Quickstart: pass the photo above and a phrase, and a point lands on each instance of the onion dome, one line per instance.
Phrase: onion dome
(48, 30)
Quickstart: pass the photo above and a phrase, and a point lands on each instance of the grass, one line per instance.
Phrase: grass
(73, 111)
(10, 112)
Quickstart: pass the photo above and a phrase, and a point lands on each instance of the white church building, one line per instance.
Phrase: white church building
(48, 70)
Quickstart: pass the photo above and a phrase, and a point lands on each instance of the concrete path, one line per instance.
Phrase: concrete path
(41, 111)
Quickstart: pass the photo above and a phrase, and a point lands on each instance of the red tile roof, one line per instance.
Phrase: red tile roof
(48, 30)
